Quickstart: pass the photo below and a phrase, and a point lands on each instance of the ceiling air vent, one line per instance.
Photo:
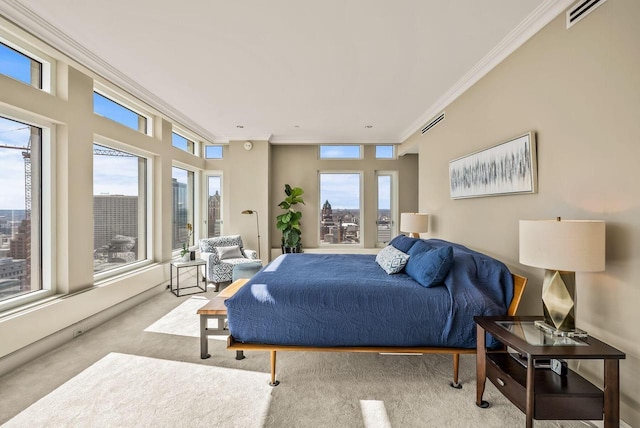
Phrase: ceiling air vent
(433, 123)
(581, 9)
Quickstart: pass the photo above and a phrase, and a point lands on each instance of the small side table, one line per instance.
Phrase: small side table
(178, 264)
(538, 392)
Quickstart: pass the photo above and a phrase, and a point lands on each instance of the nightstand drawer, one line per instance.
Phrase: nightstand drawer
(515, 391)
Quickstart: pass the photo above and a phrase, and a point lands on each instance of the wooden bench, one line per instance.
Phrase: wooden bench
(216, 309)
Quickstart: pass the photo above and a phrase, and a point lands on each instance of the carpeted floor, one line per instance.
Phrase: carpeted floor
(140, 369)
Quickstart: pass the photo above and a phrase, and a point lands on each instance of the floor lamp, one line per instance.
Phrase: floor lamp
(257, 227)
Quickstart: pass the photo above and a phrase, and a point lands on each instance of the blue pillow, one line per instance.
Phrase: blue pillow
(403, 243)
(429, 267)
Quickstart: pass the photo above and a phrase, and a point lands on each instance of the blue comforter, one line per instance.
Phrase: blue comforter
(325, 300)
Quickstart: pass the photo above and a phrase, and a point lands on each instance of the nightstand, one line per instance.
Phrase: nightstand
(539, 392)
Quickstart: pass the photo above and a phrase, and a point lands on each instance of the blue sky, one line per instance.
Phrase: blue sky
(341, 190)
(12, 164)
(14, 64)
(115, 175)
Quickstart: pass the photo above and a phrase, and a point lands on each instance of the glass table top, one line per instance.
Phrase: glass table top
(527, 331)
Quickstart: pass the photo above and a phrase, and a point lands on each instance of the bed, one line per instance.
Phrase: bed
(349, 303)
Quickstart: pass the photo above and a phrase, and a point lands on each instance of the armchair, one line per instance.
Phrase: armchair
(222, 254)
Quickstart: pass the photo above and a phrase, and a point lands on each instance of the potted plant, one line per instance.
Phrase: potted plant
(185, 252)
(289, 222)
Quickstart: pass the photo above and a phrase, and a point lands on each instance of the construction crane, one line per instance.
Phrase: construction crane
(26, 155)
(104, 151)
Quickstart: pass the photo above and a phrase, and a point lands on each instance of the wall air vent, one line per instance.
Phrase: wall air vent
(581, 9)
(433, 123)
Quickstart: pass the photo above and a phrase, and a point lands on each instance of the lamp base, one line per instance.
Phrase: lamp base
(549, 329)
(558, 291)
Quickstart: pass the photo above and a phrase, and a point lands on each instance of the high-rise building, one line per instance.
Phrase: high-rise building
(214, 216)
(20, 249)
(180, 213)
(114, 215)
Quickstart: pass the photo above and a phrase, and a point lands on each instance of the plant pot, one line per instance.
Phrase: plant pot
(289, 250)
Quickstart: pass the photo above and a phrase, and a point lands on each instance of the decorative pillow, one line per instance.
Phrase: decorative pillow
(391, 259)
(232, 252)
(429, 267)
(403, 243)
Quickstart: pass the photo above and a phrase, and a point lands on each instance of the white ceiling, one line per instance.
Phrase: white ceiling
(287, 70)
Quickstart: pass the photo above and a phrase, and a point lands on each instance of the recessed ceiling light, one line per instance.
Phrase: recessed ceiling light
(239, 126)
(296, 126)
(368, 126)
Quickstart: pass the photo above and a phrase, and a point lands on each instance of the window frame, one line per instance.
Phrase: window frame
(125, 102)
(205, 207)
(394, 152)
(361, 228)
(360, 151)
(192, 138)
(195, 204)
(47, 198)
(213, 145)
(393, 204)
(129, 267)
(48, 69)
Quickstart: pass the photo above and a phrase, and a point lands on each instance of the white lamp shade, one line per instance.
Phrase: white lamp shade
(563, 245)
(414, 222)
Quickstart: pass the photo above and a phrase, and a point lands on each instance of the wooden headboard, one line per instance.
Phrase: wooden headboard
(519, 284)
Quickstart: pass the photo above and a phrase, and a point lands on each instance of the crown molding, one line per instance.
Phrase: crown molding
(534, 22)
(334, 140)
(33, 23)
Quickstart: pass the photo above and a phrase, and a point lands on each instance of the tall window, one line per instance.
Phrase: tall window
(20, 66)
(386, 218)
(20, 208)
(119, 208)
(182, 182)
(182, 143)
(340, 202)
(115, 111)
(214, 206)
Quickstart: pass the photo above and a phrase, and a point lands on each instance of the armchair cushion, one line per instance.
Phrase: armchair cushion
(230, 252)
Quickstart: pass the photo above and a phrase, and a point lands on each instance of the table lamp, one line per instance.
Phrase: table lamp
(414, 223)
(562, 247)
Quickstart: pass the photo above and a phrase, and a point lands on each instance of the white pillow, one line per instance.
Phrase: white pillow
(391, 259)
(232, 252)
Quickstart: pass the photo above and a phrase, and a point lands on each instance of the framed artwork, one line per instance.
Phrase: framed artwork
(505, 169)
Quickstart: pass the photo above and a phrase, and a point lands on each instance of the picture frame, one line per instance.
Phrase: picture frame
(504, 169)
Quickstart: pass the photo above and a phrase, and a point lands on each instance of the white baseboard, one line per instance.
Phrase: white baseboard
(29, 353)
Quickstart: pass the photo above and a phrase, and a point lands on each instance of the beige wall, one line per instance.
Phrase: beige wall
(298, 166)
(245, 181)
(579, 90)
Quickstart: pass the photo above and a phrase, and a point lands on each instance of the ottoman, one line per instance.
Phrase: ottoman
(245, 270)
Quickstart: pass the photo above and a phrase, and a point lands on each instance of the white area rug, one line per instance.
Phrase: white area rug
(184, 320)
(124, 390)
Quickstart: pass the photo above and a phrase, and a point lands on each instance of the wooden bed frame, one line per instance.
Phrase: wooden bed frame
(519, 284)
